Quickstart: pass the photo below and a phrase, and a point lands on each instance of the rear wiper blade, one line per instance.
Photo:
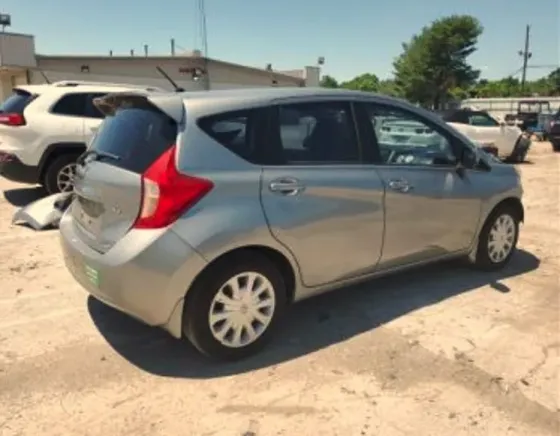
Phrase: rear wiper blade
(96, 154)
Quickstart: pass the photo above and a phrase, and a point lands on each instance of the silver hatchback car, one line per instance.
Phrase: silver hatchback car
(208, 213)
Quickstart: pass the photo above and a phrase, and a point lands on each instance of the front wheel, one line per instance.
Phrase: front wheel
(498, 239)
(231, 311)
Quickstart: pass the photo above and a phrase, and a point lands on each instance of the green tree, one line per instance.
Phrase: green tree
(389, 87)
(554, 79)
(365, 82)
(435, 61)
(329, 82)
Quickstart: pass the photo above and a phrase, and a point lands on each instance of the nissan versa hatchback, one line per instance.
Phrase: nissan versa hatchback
(207, 214)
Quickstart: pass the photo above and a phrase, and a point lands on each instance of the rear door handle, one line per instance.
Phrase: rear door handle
(400, 185)
(286, 186)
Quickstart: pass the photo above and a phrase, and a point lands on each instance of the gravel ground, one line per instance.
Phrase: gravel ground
(439, 351)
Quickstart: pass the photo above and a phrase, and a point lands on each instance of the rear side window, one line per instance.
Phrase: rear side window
(71, 105)
(17, 102)
(134, 138)
(237, 131)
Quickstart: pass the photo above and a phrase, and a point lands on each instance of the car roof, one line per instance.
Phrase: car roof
(216, 101)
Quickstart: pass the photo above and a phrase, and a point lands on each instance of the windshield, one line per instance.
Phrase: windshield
(17, 102)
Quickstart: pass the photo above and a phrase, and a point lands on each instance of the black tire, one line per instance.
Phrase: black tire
(555, 145)
(196, 324)
(54, 167)
(483, 258)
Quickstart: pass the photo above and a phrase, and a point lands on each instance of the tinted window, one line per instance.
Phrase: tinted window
(137, 136)
(482, 119)
(91, 111)
(72, 105)
(317, 133)
(236, 131)
(17, 102)
(455, 117)
(404, 138)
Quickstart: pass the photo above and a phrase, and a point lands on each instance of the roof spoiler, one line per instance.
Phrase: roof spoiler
(168, 104)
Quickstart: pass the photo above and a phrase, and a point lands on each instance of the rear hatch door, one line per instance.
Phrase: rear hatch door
(108, 184)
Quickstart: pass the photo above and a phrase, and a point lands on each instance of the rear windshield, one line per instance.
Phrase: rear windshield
(17, 102)
(137, 136)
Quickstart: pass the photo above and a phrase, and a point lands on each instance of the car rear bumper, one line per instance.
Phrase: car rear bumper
(15, 170)
(145, 275)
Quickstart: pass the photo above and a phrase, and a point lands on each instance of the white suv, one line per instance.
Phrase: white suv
(496, 137)
(44, 128)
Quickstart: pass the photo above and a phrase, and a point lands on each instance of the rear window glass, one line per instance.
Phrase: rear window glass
(17, 102)
(137, 136)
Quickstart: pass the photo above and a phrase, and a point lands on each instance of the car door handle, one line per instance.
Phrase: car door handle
(400, 185)
(286, 186)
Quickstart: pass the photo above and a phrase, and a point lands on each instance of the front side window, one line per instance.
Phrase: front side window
(91, 110)
(482, 119)
(404, 138)
(317, 133)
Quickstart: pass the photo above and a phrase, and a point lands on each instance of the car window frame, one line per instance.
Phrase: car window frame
(456, 144)
(274, 144)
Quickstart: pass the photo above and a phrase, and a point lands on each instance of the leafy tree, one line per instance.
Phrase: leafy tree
(329, 82)
(389, 87)
(554, 79)
(435, 61)
(364, 82)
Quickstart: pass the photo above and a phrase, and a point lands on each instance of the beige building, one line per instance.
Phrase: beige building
(19, 64)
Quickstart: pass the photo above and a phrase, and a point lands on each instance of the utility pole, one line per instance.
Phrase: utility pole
(526, 56)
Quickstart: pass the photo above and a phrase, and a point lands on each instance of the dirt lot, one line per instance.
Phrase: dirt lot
(441, 351)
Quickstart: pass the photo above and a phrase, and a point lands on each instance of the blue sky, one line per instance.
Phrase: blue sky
(354, 36)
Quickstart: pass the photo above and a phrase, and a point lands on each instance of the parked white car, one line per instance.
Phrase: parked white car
(44, 128)
(506, 142)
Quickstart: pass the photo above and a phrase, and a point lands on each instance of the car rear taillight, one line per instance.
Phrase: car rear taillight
(166, 193)
(12, 120)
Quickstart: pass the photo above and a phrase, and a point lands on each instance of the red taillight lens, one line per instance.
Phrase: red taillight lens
(12, 119)
(166, 193)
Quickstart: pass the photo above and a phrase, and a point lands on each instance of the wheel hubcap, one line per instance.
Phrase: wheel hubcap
(65, 178)
(242, 310)
(501, 238)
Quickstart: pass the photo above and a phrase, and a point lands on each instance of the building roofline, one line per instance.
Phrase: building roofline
(272, 74)
(18, 34)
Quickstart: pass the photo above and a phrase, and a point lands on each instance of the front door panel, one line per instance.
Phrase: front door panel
(430, 212)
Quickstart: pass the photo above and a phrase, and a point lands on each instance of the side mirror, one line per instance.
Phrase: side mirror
(468, 160)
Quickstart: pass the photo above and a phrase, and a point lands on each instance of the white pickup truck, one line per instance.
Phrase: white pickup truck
(496, 137)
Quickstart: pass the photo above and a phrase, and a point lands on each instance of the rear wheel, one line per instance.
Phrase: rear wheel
(498, 239)
(555, 144)
(232, 310)
(59, 175)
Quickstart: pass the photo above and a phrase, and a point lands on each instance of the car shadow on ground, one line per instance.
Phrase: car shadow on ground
(20, 197)
(310, 325)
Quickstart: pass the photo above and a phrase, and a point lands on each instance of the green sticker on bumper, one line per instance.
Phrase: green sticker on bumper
(93, 275)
